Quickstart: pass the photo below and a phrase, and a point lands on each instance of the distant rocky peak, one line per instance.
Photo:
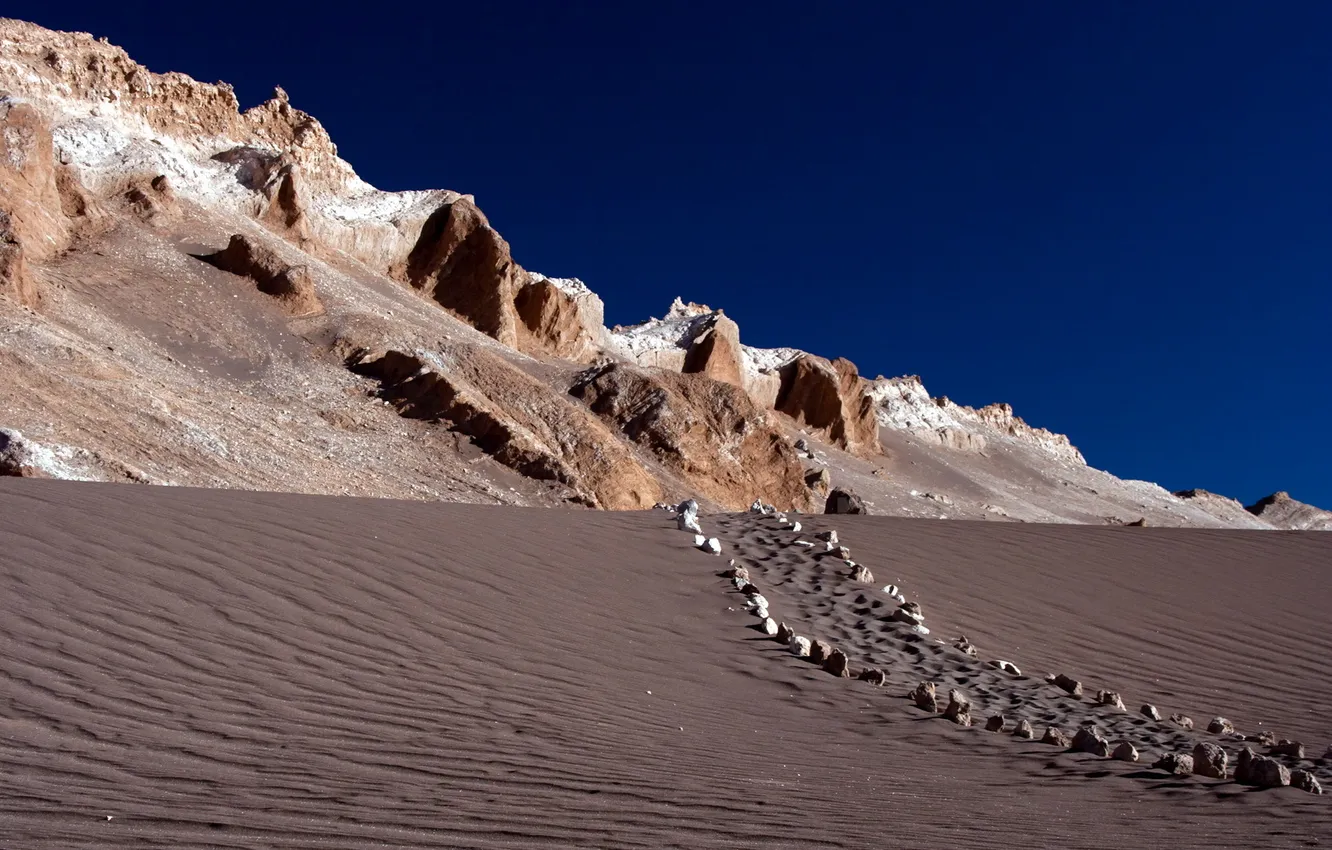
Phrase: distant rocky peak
(1283, 511)
(904, 404)
(681, 310)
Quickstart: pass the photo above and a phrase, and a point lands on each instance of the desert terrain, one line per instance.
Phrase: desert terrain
(330, 524)
(191, 668)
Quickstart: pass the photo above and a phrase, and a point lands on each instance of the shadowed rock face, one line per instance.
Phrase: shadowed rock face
(516, 420)
(716, 353)
(708, 432)
(285, 212)
(830, 398)
(558, 323)
(464, 265)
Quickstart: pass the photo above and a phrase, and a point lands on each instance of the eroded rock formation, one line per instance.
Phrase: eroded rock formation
(708, 432)
(462, 263)
(291, 285)
(1282, 511)
(516, 420)
(831, 399)
(562, 318)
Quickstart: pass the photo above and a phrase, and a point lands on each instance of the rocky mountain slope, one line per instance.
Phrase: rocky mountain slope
(199, 295)
(1280, 510)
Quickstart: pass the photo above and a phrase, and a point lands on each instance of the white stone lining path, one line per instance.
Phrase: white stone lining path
(1208, 758)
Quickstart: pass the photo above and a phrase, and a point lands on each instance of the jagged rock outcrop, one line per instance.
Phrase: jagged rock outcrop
(831, 399)
(1282, 511)
(285, 212)
(464, 265)
(291, 285)
(43, 207)
(715, 352)
(903, 404)
(694, 338)
(515, 419)
(1294, 749)
(560, 317)
(33, 226)
(29, 194)
(708, 432)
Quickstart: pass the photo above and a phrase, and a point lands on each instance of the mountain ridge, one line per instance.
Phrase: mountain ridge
(116, 182)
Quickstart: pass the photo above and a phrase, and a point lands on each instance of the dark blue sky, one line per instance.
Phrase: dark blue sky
(1115, 216)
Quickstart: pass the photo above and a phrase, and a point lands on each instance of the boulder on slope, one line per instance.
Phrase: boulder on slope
(291, 285)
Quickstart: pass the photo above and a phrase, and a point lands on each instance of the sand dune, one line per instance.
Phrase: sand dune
(192, 668)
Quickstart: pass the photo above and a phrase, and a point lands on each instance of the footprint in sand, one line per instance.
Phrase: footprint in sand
(809, 592)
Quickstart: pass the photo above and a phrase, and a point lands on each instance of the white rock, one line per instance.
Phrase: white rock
(795, 526)
(739, 582)
(712, 545)
(800, 646)
(756, 601)
(757, 507)
(688, 522)
(830, 536)
(760, 612)
(699, 540)
(919, 629)
(769, 626)
(902, 615)
(1007, 667)
(804, 543)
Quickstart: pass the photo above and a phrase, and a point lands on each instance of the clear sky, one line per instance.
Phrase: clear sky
(1115, 216)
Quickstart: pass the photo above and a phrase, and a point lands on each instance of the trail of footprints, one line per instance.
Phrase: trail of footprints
(875, 636)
